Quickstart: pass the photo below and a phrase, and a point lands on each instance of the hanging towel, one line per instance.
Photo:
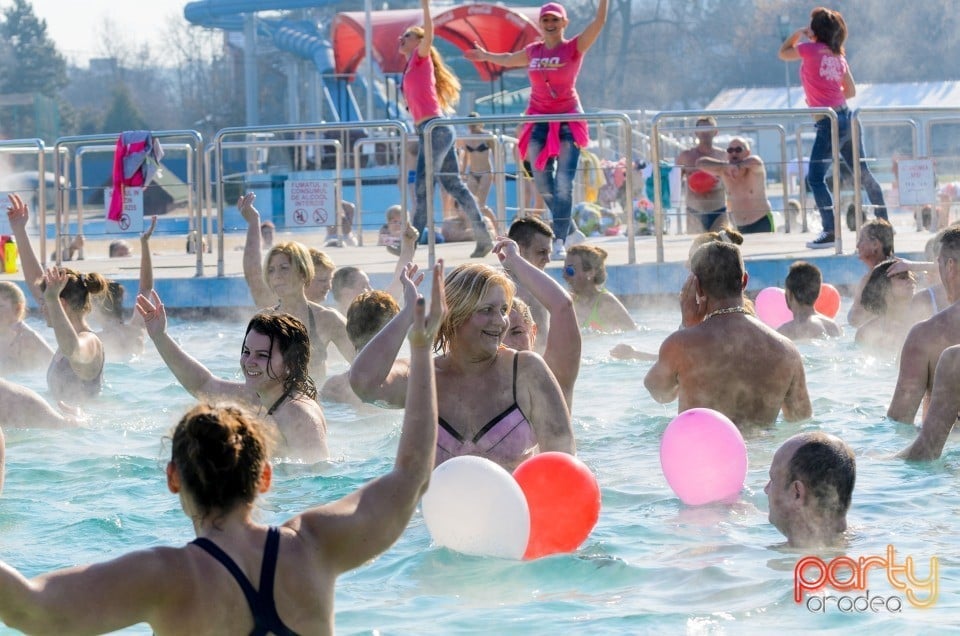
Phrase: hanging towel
(136, 161)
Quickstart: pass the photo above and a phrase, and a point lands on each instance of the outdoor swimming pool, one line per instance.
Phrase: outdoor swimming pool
(652, 565)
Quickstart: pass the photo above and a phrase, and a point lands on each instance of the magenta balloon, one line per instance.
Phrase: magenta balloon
(703, 457)
(771, 304)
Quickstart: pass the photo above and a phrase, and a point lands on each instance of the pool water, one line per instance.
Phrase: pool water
(651, 565)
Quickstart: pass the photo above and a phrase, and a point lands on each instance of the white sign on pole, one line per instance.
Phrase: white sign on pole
(131, 217)
(308, 203)
(916, 181)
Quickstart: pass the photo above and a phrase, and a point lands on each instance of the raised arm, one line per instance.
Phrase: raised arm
(788, 50)
(252, 261)
(82, 350)
(373, 375)
(423, 49)
(363, 524)
(193, 376)
(592, 32)
(408, 246)
(562, 353)
(146, 259)
(942, 414)
(513, 59)
(18, 214)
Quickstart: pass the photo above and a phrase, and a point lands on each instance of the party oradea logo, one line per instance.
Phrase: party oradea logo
(862, 585)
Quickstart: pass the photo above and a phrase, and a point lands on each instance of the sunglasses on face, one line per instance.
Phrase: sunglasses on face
(408, 35)
(734, 150)
(569, 270)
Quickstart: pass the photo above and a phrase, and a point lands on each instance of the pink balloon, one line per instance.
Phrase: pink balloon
(771, 304)
(703, 457)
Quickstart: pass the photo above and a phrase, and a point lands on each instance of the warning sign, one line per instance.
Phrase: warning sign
(131, 218)
(916, 181)
(308, 203)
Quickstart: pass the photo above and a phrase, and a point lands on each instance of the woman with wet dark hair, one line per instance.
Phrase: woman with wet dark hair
(887, 300)
(275, 363)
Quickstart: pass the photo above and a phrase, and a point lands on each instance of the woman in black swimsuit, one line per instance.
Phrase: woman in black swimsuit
(274, 361)
(218, 466)
(475, 166)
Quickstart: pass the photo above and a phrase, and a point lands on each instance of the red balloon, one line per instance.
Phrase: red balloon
(701, 182)
(828, 302)
(564, 501)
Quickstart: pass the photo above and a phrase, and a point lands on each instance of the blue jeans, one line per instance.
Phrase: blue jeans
(820, 158)
(446, 170)
(555, 182)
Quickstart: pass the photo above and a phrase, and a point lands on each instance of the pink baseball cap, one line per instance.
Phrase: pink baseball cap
(553, 8)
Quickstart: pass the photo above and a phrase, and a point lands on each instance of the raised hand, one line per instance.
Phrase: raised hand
(249, 213)
(55, 279)
(145, 237)
(17, 211)
(153, 313)
(506, 249)
(423, 331)
(410, 279)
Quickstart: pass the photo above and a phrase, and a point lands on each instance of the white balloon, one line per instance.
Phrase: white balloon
(476, 507)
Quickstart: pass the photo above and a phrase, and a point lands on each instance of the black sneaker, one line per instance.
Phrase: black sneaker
(826, 239)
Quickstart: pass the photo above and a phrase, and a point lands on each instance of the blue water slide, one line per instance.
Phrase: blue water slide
(300, 38)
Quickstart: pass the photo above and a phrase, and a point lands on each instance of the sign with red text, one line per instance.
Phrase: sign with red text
(308, 203)
(916, 181)
(131, 217)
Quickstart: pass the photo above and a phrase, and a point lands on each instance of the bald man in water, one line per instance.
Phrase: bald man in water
(723, 358)
(812, 476)
(745, 179)
(928, 339)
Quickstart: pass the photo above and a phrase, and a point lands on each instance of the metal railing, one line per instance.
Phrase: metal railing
(66, 145)
(501, 120)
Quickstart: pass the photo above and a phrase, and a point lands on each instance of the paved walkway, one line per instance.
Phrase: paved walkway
(768, 257)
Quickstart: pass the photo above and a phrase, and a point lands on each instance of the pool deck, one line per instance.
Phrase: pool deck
(767, 257)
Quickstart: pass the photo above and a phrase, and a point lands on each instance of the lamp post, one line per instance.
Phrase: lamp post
(784, 25)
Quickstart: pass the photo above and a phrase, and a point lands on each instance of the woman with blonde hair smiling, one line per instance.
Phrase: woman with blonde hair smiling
(494, 402)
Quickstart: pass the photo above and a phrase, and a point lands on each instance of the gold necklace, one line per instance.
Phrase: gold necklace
(726, 310)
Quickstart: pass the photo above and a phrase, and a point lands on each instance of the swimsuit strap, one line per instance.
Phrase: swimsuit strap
(262, 604)
(214, 550)
(279, 401)
(312, 320)
(516, 360)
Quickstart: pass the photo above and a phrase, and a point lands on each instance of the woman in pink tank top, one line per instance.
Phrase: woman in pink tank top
(828, 83)
(553, 149)
(430, 90)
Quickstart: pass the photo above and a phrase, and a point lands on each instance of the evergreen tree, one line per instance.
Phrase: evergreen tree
(32, 64)
(123, 113)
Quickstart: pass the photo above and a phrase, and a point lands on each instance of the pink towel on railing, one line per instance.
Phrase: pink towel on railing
(136, 161)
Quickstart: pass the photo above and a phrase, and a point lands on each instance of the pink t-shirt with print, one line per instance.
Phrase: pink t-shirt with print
(420, 88)
(553, 78)
(822, 73)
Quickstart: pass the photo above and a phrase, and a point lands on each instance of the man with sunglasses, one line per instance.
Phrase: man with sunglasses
(745, 180)
(706, 208)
